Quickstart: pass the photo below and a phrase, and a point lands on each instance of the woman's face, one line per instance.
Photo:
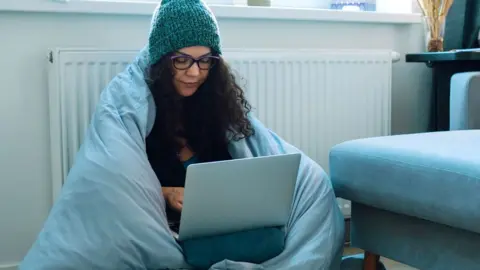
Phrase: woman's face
(191, 66)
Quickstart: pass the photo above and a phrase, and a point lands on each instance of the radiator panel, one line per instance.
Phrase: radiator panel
(314, 99)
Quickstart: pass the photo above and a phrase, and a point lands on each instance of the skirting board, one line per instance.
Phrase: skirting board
(9, 267)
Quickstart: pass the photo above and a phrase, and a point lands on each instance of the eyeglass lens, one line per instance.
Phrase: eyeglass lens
(185, 62)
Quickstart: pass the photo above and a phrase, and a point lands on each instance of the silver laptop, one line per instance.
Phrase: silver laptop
(235, 195)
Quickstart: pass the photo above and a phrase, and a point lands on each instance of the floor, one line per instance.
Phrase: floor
(389, 264)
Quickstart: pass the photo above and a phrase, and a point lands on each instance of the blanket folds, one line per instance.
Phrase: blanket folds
(111, 213)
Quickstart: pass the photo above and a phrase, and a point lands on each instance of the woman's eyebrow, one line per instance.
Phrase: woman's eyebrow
(207, 54)
(186, 54)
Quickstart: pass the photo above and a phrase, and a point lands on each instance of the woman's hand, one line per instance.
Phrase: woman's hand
(174, 197)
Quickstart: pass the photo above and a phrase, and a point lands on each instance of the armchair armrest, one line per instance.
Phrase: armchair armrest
(465, 101)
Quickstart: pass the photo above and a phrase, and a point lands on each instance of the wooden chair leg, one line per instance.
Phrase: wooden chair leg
(370, 261)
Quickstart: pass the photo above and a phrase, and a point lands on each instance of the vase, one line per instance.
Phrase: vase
(434, 33)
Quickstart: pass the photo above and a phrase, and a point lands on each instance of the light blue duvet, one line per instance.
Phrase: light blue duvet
(110, 214)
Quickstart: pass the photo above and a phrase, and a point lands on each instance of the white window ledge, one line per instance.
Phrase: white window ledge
(233, 12)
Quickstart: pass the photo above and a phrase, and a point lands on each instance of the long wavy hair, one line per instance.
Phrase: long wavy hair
(218, 108)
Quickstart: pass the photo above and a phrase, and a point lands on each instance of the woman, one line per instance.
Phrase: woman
(197, 99)
(109, 214)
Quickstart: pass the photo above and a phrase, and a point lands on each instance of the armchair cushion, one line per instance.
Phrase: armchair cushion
(433, 176)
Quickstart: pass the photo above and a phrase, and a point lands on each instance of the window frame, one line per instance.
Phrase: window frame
(146, 7)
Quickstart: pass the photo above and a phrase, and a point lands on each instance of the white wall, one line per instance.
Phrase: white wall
(24, 136)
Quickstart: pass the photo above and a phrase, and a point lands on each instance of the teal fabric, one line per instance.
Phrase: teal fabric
(177, 24)
(416, 242)
(433, 176)
(254, 246)
(461, 28)
(415, 197)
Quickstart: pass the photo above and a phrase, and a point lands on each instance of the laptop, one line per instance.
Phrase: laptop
(236, 195)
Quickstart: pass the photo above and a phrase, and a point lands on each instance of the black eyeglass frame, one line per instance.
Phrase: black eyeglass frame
(195, 61)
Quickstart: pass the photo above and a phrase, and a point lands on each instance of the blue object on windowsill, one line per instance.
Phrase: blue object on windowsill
(359, 5)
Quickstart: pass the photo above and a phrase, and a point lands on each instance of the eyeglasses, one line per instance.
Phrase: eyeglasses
(183, 62)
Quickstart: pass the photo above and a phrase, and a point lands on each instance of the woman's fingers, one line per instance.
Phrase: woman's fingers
(178, 206)
(180, 196)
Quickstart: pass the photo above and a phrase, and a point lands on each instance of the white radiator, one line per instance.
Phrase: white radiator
(312, 98)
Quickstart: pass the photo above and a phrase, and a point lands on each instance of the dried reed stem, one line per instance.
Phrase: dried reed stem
(435, 13)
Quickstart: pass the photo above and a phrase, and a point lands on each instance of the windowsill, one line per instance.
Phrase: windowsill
(231, 12)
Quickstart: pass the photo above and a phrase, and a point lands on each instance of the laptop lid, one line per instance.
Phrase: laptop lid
(235, 195)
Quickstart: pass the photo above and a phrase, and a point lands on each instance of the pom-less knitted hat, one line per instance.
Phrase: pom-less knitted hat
(177, 24)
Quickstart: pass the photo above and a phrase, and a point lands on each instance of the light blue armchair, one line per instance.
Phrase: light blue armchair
(416, 198)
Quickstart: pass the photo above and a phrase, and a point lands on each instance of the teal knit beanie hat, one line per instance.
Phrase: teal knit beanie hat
(177, 24)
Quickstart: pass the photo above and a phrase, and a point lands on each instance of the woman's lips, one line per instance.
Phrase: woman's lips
(190, 84)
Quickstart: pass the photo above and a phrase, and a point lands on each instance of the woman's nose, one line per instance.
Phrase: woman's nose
(194, 70)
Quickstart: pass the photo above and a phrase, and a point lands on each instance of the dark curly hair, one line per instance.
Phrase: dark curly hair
(218, 108)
